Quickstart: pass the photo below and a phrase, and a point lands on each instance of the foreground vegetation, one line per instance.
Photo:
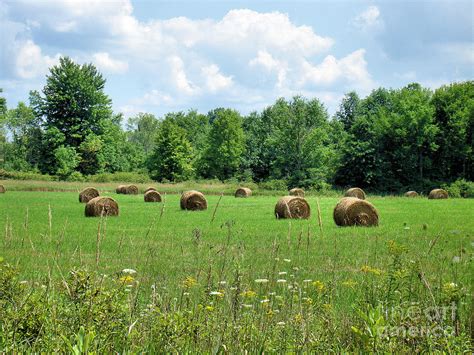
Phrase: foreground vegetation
(233, 277)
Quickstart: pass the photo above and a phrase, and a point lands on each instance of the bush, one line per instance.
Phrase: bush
(460, 188)
(76, 176)
(120, 177)
(275, 185)
(22, 175)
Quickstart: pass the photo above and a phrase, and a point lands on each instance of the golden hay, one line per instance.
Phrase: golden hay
(193, 201)
(101, 206)
(127, 189)
(152, 196)
(88, 194)
(411, 194)
(243, 192)
(355, 192)
(2, 189)
(150, 189)
(120, 189)
(292, 207)
(437, 194)
(351, 211)
(296, 192)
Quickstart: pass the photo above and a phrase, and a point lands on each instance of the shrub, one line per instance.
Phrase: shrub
(76, 176)
(275, 185)
(22, 175)
(460, 188)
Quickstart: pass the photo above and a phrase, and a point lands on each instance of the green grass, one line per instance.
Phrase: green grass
(46, 233)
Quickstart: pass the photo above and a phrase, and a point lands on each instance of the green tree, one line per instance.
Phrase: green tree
(142, 130)
(172, 155)
(225, 146)
(347, 112)
(67, 160)
(454, 115)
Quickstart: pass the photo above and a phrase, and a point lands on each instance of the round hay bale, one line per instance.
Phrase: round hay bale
(292, 207)
(98, 206)
(297, 192)
(120, 189)
(130, 190)
(411, 194)
(88, 194)
(150, 189)
(437, 194)
(152, 196)
(243, 192)
(352, 211)
(355, 192)
(193, 201)
(2, 189)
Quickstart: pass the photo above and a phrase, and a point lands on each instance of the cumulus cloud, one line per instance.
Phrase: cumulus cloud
(179, 77)
(30, 62)
(104, 62)
(214, 79)
(368, 19)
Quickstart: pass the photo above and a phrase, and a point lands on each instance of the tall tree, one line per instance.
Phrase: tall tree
(142, 130)
(226, 144)
(172, 155)
(347, 112)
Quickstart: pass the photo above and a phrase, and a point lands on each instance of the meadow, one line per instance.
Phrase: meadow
(233, 277)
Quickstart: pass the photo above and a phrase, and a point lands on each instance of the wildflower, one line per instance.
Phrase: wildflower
(261, 281)
(282, 273)
(222, 282)
(281, 323)
(209, 308)
(298, 318)
(249, 294)
(368, 269)
(349, 283)
(265, 300)
(319, 286)
(287, 260)
(189, 282)
(127, 279)
(296, 268)
(247, 305)
(129, 271)
(450, 287)
(271, 293)
(185, 293)
(327, 306)
(24, 282)
(281, 281)
(307, 281)
(456, 259)
(216, 293)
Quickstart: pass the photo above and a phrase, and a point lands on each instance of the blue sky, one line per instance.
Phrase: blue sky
(162, 56)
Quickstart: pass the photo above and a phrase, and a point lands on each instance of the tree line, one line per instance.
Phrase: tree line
(391, 140)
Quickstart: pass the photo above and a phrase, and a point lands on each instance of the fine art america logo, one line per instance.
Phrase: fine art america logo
(416, 322)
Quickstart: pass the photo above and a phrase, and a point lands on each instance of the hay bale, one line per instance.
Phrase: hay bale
(355, 192)
(411, 194)
(292, 207)
(130, 190)
(150, 189)
(243, 192)
(152, 196)
(120, 189)
(437, 194)
(101, 205)
(88, 194)
(296, 192)
(193, 201)
(2, 189)
(352, 211)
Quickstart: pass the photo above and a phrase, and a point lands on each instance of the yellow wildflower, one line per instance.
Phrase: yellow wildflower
(319, 285)
(249, 294)
(189, 282)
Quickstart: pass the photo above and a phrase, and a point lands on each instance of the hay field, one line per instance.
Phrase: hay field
(419, 247)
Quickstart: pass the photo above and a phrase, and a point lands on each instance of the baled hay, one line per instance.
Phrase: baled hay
(351, 211)
(411, 194)
(193, 201)
(120, 189)
(2, 189)
(437, 194)
(130, 190)
(150, 189)
(243, 192)
(355, 192)
(297, 192)
(152, 196)
(292, 207)
(101, 206)
(88, 194)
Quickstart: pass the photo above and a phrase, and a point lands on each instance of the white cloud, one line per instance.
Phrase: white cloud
(368, 19)
(266, 60)
(30, 62)
(104, 62)
(179, 77)
(351, 69)
(155, 98)
(215, 80)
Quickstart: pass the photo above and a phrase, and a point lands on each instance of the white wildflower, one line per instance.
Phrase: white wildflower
(287, 260)
(281, 281)
(282, 273)
(261, 281)
(266, 300)
(281, 323)
(456, 259)
(307, 280)
(129, 271)
(215, 293)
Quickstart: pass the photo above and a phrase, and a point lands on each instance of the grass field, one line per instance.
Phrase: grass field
(248, 280)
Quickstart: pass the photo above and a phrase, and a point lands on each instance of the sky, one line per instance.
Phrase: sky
(167, 56)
